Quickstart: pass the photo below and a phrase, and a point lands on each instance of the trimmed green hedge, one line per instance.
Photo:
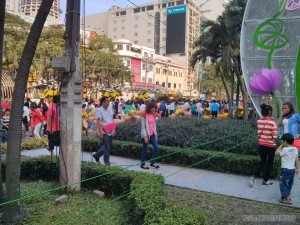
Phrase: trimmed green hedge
(145, 191)
(192, 132)
(212, 160)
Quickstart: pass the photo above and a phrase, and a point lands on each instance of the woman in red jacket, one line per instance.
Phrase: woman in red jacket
(36, 120)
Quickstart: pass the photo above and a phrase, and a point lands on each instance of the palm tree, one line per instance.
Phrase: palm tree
(2, 17)
(219, 40)
(12, 212)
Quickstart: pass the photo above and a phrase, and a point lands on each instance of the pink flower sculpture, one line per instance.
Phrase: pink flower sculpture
(266, 83)
(292, 4)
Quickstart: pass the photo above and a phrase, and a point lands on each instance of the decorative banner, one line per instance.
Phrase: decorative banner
(136, 69)
(269, 43)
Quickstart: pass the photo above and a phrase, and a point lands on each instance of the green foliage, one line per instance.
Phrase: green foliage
(192, 132)
(147, 203)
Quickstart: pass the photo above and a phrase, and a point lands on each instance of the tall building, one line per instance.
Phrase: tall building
(170, 27)
(13, 5)
(31, 7)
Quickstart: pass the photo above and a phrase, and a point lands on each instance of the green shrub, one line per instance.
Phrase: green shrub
(147, 202)
(192, 132)
(212, 160)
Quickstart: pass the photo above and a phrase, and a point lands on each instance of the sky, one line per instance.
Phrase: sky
(96, 6)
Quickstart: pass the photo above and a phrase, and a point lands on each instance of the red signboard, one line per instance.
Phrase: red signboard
(136, 69)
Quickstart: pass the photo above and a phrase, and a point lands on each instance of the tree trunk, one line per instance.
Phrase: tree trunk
(224, 84)
(237, 98)
(2, 19)
(243, 90)
(231, 93)
(12, 212)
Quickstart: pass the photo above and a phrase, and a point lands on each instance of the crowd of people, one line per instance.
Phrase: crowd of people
(42, 119)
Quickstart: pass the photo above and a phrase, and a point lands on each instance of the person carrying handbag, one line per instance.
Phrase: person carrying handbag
(106, 130)
(267, 134)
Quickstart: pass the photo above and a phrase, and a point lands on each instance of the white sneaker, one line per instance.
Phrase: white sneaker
(251, 181)
(267, 183)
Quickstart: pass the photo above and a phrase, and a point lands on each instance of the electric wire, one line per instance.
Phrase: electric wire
(143, 187)
(121, 168)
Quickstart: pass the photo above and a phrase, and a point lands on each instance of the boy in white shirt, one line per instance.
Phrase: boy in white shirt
(289, 157)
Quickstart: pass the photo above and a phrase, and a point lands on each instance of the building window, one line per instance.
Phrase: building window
(123, 13)
(163, 84)
(157, 71)
(136, 26)
(115, 29)
(149, 24)
(150, 67)
(174, 86)
(136, 42)
(143, 9)
(179, 86)
(117, 14)
(148, 40)
(128, 63)
(135, 34)
(169, 85)
(180, 3)
(157, 82)
(115, 22)
(123, 28)
(164, 5)
(120, 47)
(123, 35)
(150, 80)
(150, 7)
(137, 10)
(127, 48)
(149, 32)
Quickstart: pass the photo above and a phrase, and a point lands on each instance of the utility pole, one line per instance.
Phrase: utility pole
(70, 152)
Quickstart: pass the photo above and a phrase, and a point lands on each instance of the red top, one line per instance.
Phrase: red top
(53, 115)
(36, 117)
(267, 132)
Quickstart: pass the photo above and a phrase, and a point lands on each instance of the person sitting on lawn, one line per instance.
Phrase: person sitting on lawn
(289, 157)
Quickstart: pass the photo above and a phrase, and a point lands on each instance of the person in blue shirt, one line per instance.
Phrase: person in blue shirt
(289, 120)
(214, 109)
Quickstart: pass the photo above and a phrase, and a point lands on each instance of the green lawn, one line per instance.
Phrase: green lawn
(223, 210)
(43, 210)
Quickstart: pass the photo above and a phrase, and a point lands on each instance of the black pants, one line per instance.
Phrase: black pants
(266, 161)
(54, 139)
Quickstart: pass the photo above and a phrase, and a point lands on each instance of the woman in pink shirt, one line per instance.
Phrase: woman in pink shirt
(149, 134)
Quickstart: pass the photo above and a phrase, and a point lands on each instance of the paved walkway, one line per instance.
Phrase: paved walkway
(202, 180)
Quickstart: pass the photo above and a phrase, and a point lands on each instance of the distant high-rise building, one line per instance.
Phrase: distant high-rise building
(31, 7)
(13, 5)
(168, 26)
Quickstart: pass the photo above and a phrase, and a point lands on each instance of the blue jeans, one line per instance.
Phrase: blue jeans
(105, 149)
(154, 143)
(200, 114)
(286, 181)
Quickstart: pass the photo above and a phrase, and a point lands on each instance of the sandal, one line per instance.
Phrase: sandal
(286, 201)
(145, 167)
(155, 166)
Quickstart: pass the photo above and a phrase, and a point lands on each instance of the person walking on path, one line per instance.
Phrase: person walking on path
(289, 120)
(149, 134)
(106, 130)
(267, 134)
(289, 157)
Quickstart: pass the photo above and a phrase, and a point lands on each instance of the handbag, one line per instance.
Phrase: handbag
(109, 127)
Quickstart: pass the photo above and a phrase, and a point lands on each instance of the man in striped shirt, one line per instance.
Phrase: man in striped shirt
(267, 134)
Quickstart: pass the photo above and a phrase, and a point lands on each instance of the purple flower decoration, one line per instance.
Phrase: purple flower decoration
(266, 83)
